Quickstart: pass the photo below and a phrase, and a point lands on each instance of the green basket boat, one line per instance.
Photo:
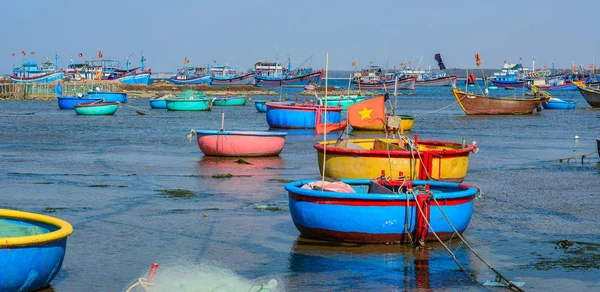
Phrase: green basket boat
(344, 101)
(96, 108)
(230, 101)
(189, 104)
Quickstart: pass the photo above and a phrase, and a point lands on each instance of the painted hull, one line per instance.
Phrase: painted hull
(302, 80)
(299, 117)
(559, 104)
(193, 80)
(441, 81)
(343, 101)
(240, 143)
(31, 266)
(261, 106)
(363, 217)
(598, 146)
(158, 103)
(590, 95)
(69, 102)
(474, 104)
(96, 108)
(515, 84)
(135, 78)
(239, 80)
(229, 101)
(405, 84)
(446, 161)
(46, 78)
(184, 104)
(405, 125)
(108, 96)
(566, 86)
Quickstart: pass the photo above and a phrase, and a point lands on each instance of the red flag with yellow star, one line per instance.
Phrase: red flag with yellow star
(370, 112)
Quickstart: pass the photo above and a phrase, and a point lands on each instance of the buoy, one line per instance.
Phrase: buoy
(576, 137)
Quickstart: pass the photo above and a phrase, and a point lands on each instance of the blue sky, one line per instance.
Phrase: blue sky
(243, 32)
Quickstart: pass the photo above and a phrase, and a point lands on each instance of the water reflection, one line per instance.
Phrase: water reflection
(376, 267)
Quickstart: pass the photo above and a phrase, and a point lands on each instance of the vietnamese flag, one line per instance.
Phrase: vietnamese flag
(370, 112)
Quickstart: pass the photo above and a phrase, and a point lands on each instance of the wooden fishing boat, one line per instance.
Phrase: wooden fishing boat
(69, 102)
(300, 116)
(32, 249)
(32, 72)
(108, 96)
(445, 161)
(341, 100)
(556, 103)
(230, 101)
(273, 74)
(380, 211)
(475, 104)
(96, 108)
(260, 105)
(239, 143)
(191, 75)
(591, 93)
(189, 104)
(134, 78)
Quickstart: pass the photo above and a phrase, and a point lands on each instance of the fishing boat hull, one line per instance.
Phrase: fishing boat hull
(240, 143)
(261, 106)
(238, 80)
(565, 86)
(187, 104)
(108, 96)
(135, 78)
(44, 78)
(343, 101)
(473, 104)
(286, 116)
(230, 101)
(299, 81)
(440, 81)
(96, 108)
(559, 104)
(590, 95)
(445, 161)
(31, 262)
(371, 217)
(158, 103)
(192, 80)
(406, 124)
(389, 85)
(513, 84)
(598, 146)
(69, 102)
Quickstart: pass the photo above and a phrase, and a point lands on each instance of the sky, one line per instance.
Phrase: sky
(240, 33)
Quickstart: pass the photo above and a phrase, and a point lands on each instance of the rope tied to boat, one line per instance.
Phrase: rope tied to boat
(190, 135)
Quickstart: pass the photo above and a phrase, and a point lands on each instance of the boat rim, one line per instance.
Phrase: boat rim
(93, 104)
(65, 229)
(240, 133)
(394, 153)
(303, 107)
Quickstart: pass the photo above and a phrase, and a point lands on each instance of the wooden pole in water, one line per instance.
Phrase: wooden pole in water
(222, 122)
(325, 118)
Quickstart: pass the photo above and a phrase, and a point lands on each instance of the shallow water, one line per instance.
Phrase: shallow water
(102, 174)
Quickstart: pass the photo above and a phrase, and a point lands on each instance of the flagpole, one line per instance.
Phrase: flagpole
(325, 118)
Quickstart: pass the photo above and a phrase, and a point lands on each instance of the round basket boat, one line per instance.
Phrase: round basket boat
(30, 262)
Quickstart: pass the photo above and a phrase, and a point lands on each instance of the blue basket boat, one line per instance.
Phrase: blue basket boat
(291, 116)
(108, 96)
(556, 103)
(158, 103)
(69, 102)
(261, 106)
(30, 262)
(373, 211)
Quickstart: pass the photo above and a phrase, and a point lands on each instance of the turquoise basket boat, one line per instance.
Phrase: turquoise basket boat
(230, 101)
(96, 108)
(343, 101)
(32, 249)
(189, 104)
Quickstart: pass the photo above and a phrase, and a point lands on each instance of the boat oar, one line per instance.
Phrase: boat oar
(137, 110)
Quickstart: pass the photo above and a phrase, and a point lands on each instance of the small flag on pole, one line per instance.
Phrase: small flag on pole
(80, 55)
(478, 60)
(32, 53)
(353, 63)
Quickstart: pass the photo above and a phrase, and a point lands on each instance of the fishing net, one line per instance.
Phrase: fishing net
(9, 229)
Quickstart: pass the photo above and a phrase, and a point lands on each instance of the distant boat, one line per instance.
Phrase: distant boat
(261, 106)
(230, 101)
(108, 96)
(32, 249)
(373, 78)
(240, 143)
(191, 75)
(69, 102)
(134, 78)
(31, 72)
(107, 69)
(273, 74)
(370, 115)
(475, 104)
(380, 211)
(226, 75)
(429, 78)
(590, 92)
(556, 103)
(512, 75)
(341, 100)
(96, 108)
(189, 103)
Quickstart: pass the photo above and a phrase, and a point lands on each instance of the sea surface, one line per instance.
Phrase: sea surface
(104, 175)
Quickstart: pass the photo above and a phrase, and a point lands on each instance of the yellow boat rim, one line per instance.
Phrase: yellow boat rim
(65, 229)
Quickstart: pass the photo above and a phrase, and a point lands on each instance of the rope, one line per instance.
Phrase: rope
(142, 282)
(443, 108)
